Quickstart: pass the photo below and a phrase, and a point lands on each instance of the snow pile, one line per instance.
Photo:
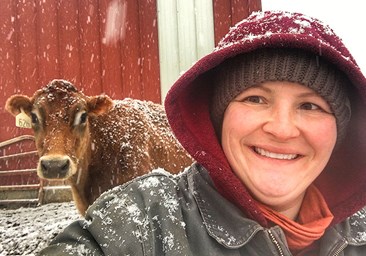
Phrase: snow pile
(25, 231)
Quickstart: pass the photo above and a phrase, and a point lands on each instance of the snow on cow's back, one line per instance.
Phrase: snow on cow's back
(151, 114)
(137, 135)
(152, 111)
(129, 116)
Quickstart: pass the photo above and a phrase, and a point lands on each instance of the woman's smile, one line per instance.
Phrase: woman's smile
(274, 155)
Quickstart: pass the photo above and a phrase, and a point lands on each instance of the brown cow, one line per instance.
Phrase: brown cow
(96, 143)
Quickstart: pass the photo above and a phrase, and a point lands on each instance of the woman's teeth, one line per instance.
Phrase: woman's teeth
(265, 153)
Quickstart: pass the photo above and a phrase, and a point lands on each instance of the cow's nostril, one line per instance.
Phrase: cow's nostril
(45, 165)
(66, 165)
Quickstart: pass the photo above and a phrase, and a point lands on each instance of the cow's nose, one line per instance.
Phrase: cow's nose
(55, 168)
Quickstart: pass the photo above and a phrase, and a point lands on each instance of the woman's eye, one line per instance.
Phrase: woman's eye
(254, 99)
(310, 106)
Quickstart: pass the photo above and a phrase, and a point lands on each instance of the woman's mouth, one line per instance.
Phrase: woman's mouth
(273, 155)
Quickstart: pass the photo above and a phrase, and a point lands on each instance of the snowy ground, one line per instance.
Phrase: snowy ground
(25, 231)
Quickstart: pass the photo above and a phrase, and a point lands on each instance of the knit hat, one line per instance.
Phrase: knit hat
(293, 65)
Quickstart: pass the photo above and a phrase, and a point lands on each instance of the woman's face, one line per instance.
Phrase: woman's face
(278, 137)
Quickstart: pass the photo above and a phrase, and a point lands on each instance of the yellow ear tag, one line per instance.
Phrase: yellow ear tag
(23, 120)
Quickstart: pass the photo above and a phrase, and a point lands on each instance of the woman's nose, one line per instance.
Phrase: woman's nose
(281, 123)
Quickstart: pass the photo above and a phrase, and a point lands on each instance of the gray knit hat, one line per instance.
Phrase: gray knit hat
(294, 65)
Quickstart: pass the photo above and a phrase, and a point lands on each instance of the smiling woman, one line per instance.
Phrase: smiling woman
(276, 146)
(274, 118)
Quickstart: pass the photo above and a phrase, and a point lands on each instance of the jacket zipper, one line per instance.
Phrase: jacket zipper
(274, 240)
(341, 248)
(279, 249)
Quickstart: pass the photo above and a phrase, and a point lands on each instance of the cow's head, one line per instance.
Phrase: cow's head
(59, 115)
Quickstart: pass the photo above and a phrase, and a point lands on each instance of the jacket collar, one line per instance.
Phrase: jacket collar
(353, 229)
(229, 227)
(223, 221)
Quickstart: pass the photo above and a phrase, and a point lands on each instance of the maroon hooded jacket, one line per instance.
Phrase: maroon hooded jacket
(343, 182)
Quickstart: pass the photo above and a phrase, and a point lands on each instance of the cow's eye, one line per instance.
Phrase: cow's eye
(80, 118)
(83, 118)
(34, 118)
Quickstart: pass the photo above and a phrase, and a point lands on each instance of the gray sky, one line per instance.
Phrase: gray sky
(346, 18)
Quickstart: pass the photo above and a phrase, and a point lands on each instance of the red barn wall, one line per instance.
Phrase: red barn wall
(43, 40)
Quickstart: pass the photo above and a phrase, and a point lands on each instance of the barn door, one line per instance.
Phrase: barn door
(186, 33)
(189, 29)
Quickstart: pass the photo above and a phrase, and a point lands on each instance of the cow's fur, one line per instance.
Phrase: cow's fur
(96, 143)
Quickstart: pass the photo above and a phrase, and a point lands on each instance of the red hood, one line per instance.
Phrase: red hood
(343, 182)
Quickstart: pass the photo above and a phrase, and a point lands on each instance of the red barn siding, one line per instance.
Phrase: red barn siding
(42, 40)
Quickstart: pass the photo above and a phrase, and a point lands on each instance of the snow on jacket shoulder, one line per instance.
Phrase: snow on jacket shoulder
(161, 214)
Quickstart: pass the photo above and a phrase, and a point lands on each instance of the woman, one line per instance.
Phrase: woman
(274, 117)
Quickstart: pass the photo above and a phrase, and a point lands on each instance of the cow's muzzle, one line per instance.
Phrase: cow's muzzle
(54, 167)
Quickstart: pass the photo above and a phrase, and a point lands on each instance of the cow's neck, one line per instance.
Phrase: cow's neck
(80, 182)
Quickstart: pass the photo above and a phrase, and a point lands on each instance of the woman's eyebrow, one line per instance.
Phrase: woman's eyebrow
(261, 88)
(265, 89)
(309, 94)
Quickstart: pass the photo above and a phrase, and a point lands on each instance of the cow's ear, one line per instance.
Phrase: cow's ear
(100, 104)
(15, 103)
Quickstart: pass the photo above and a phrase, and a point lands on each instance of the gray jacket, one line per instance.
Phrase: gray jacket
(160, 214)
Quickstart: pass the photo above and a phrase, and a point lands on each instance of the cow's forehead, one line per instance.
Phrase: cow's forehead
(65, 99)
(59, 94)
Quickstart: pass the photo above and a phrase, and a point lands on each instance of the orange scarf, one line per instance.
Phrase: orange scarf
(314, 217)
